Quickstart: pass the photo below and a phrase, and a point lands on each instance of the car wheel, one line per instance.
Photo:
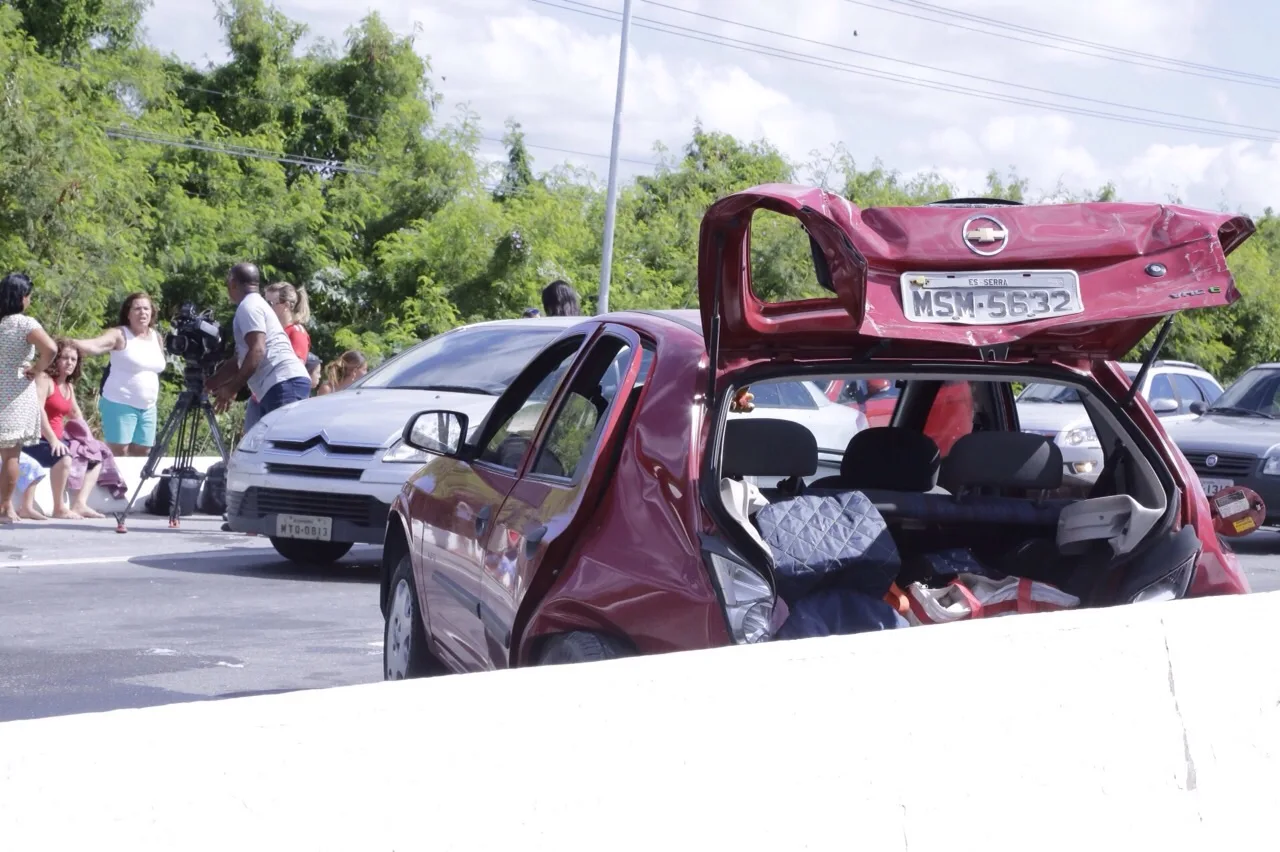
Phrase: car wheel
(404, 641)
(581, 646)
(311, 552)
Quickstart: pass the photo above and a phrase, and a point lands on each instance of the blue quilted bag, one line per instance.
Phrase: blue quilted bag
(829, 540)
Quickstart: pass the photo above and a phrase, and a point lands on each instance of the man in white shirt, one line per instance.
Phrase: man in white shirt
(265, 359)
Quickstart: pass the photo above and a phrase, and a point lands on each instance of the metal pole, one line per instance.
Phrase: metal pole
(611, 200)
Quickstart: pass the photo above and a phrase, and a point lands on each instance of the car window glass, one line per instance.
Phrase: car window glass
(951, 416)
(575, 429)
(1209, 388)
(1187, 391)
(794, 395)
(766, 395)
(1049, 393)
(484, 360)
(511, 441)
(1161, 388)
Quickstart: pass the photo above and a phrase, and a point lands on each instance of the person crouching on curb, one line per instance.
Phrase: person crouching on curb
(58, 405)
(265, 359)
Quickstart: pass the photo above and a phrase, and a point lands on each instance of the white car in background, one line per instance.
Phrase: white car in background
(318, 476)
(1170, 388)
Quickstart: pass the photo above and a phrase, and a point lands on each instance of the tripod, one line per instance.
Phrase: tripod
(183, 423)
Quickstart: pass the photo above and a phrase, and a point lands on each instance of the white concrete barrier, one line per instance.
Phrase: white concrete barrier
(1145, 727)
(131, 471)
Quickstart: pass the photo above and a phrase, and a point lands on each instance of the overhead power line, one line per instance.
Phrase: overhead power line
(775, 52)
(1226, 75)
(234, 150)
(1009, 25)
(951, 73)
(365, 118)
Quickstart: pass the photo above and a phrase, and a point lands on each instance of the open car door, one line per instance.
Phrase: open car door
(1060, 281)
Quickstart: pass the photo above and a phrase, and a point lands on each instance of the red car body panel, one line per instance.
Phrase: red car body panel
(650, 511)
(505, 559)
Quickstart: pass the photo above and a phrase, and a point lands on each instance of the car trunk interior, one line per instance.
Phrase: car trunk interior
(949, 510)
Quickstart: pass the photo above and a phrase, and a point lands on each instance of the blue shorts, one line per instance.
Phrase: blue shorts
(124, 424)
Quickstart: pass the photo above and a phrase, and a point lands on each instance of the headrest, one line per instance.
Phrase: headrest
(1004, 460)
(890, 458)
(766, 447)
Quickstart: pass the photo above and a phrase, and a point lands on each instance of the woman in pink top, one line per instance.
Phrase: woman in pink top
(131, 388)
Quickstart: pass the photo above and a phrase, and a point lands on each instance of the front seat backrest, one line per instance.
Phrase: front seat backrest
(887, 458)
(1003, 460)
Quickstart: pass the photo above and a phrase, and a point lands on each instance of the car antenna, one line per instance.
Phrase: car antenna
(1148, 360)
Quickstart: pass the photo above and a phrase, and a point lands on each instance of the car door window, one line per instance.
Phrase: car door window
(508, 444)
(794, 395)
(1210, 390)
(1188, 392)
(575, 428)
(1161, 388)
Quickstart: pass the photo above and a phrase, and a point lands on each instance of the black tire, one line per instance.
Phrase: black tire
(306, 552)
(581, 646)
(405, 653)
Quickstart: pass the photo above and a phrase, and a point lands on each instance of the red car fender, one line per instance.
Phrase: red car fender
(1218, 571)
(649, 514)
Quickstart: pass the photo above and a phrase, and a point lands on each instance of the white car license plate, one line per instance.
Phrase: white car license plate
(990, 298)
(309, 527)
(1213, 486)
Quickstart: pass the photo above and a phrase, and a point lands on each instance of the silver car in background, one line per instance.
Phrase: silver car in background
(318, 476)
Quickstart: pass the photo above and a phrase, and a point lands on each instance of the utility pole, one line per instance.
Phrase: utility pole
(611, 200)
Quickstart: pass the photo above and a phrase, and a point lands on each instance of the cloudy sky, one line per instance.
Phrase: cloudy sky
(884, 78)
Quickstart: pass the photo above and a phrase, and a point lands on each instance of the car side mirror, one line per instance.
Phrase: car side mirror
(1199, 407)
(440, 432)
(1164, 405)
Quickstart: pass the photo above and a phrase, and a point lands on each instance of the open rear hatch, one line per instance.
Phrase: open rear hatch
(950, 281)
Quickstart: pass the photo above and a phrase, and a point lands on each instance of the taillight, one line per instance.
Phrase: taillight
(746, 593)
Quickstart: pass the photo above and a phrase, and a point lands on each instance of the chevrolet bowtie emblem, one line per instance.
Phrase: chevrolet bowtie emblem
(986, 235)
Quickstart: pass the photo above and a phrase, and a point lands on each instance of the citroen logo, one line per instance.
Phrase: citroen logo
(984, 235)
(1211, 460)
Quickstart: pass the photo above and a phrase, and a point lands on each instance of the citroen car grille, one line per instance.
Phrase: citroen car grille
(315, 471)
(1229, 464)
(332, 449)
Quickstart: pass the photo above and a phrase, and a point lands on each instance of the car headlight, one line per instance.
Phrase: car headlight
(1079, 436)
(1271, 466)
(253, 439)
(402, 453)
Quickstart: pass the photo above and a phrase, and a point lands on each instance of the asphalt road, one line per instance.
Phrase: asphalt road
(92, 621)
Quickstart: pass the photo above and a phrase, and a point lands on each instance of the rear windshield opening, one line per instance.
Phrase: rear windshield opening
(874, 502)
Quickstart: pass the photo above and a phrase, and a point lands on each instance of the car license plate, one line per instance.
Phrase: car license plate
(990, 298)
(309, 527)
(1213, 486)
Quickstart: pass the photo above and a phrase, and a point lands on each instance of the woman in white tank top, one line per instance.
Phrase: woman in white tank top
(131, 389)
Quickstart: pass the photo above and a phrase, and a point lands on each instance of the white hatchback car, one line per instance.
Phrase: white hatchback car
(1170, 388)
(318, 476)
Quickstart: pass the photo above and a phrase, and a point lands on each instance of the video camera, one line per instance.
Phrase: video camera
(195, 338)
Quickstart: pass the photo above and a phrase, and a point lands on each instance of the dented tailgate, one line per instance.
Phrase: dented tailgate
(1067, 279)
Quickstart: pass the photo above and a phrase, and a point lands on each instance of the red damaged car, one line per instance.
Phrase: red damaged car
(622, 496)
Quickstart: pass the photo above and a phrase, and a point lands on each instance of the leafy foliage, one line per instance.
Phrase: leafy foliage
(356, 188)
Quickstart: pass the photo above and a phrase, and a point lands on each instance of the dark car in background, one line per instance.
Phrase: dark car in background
(1236, 440)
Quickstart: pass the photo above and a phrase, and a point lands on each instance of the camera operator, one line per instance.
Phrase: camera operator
(265, 359)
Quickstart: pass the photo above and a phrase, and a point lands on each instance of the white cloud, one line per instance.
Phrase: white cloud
(554, 71)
